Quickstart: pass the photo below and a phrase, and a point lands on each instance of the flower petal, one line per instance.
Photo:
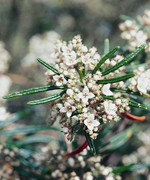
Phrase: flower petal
(63, 109)
(69, 114)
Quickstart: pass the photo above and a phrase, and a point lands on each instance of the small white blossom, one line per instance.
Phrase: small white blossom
(71, 60)
(142, 83)
(86, 59)
(110, 108)
(90, 122)
(106, 90)
(69, 92)
(85, 95)
(68, 109)
(67, 49)
(59, 80)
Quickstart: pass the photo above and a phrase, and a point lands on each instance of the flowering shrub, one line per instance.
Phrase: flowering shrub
(94, 89)
(137, 31)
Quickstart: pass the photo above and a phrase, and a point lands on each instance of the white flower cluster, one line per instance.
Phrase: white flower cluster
(5, 81)
(141, 81)
(83, 103)
(40, 46)
(4, 58)
(91, 166)
(137, 32)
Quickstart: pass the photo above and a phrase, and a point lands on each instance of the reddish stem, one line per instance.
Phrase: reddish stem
(78, 150)
(132, 117)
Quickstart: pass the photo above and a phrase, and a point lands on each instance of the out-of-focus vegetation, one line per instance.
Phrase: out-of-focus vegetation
(28, 28)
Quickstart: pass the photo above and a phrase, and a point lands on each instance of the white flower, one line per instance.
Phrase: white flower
(110, 108)
(85, 95)
(68, 109)
(106, 90)
(57, 51)
(67, 49)
(142, 83)
(59, 80)
(86, 59)
(69, 92)
(90, 122)
(71, 60)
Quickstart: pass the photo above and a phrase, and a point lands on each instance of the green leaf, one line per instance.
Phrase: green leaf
(127, 91)
(127, 59)
(107, 97)
(121, 169)
(139, 167)
(106, 46)
(15, 117)
(35, 139)
(90, 143)
(108, 55)
(136, 104)
(33, 91)
(47, 99)
(48, 66)
(124, 18)
(116, 79)
(130, 68)
(26, 130)
(119, 139)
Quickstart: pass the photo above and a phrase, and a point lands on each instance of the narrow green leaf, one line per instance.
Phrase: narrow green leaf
(15, 117)
(108, 55)
(130, 68)
(139, 167)
(127, 59)
(124, 18)
(121, 169)
(33, 91)
(90, 143)
(35, 139)
(107, 97)
(25, 130)
(127, 91)
(116, 79)
(131, 103)
(119, 139)
(47, 99)
(106, 46)
(136, 104)
(48, 66)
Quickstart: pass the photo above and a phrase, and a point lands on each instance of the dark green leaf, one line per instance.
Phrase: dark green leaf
(127, 91)
(108, 55)
(14, 117)
(25, 130)
(116, 79)
(107, 97)
(122, 168)
(47, 99)
(48, 66)
(106, 46)
(136, 104)
(127, 59)
(34, 90)
(90, 143)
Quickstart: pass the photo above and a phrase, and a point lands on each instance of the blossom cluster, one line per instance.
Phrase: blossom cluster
(141, 81)
(137, 31)
(91, 166)
(84, 102)
(40, 45)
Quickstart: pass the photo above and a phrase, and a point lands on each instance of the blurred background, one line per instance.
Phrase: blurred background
(29, 28)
